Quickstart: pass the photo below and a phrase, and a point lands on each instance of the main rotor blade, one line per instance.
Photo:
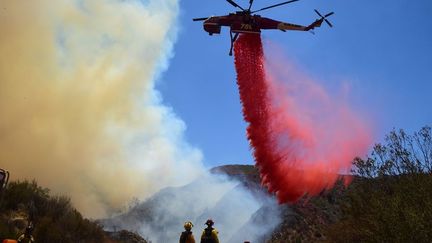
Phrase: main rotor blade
(276, 5)
(200, 19)
(235, 4)
(250, 4)
(316, 11)
(328, 22)
(329, 14)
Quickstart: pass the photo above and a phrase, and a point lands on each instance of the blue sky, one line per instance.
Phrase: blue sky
(382, 48)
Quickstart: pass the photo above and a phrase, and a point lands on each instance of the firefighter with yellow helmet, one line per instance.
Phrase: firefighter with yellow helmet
(187, 236)
(209, 234)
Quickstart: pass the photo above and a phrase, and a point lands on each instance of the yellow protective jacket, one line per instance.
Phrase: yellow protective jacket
(187, 237)
(209, 235)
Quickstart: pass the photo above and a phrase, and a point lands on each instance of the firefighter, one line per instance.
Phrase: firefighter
(27, 236)
(209, 234)
(187, 236)
(4, 177)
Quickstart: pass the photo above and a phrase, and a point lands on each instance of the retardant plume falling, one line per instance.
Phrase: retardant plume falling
(302, 138)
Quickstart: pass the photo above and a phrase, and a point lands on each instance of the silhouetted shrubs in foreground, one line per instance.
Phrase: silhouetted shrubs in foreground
(390, 199)
(54, 217)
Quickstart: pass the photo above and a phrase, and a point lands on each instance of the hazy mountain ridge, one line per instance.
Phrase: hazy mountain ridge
(237, 191)
(302, 221)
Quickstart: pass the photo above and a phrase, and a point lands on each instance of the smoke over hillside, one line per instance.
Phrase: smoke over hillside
(78, 108)
(240, 213)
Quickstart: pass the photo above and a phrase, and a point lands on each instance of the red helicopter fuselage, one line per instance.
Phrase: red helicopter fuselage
(238, 22)
(241, 22)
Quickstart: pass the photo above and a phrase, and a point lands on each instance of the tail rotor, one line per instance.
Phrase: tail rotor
(325, 17)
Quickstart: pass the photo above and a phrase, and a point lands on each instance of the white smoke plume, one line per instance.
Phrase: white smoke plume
(78, 108)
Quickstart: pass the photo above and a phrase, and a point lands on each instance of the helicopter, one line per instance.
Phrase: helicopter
(245, 21)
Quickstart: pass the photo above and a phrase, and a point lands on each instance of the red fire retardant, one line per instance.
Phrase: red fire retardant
(300, 145)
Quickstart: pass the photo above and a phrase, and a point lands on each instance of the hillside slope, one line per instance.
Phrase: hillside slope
(399, 207)
(305, 221)
(54, 218)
